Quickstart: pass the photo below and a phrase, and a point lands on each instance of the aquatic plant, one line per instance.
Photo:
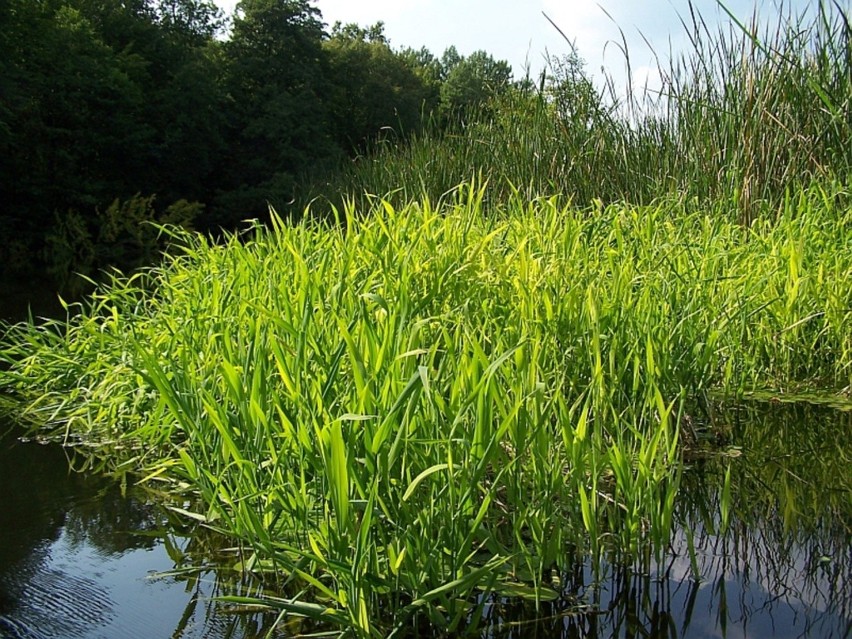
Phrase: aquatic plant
(401, 413)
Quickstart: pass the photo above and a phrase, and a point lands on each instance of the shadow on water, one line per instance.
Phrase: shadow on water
(763, 549)
(22, 297)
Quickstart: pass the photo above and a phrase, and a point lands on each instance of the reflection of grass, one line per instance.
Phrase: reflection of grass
(416, 406)
(795, 463)
(788, 505)
(790, 515)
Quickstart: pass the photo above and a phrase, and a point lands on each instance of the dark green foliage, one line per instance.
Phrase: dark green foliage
(197, 20)
(375, 88)
(472, 82)
(428, 68)
(72, 116)
(126, 234)
(100, 100)
(125, 99)
(276, 75)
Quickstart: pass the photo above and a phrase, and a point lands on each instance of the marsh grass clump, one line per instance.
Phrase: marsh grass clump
(752, 110)
(404, 412)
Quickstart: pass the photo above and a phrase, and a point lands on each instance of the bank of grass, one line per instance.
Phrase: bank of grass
(750, 110)
(407, 412)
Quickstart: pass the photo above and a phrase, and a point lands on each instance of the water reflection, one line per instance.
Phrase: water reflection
(781, 567)
(77, 556)
(34, 295)
(771, 556)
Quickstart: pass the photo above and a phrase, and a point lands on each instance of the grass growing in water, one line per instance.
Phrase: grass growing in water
(404, 413)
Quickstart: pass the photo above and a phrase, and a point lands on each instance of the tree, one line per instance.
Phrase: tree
(373, 86)
(449, 61)
(278, 123)
(197, 20)
(429, 69)
(574, 97)
(472, 81)
(74, 119)
(100, 100)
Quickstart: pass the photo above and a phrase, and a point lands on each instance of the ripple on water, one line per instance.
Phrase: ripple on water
(51, 603)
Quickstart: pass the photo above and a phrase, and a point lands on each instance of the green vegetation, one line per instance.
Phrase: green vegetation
(153, 100)
(418, 405)
(744, 117)
(404, 407)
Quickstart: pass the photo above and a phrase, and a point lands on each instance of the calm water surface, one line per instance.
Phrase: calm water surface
(782, 567)
(79, 558)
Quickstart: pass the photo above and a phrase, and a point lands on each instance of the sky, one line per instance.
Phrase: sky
(517, 31)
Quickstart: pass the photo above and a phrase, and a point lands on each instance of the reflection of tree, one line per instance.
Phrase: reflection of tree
(112, 522)
(43, 499)
(37, 488)
(43, 496)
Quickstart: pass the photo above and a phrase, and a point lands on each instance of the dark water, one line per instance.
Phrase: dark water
(782, 567)
(747, 589)
(24, 295)
(79, 557)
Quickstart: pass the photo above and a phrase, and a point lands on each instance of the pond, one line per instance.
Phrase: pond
(34, 295)
(81, 556)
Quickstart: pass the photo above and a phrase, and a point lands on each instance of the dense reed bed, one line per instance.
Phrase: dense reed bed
(753, 109)
(405, 413)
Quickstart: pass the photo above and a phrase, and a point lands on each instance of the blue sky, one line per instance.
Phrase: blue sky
(516, 30)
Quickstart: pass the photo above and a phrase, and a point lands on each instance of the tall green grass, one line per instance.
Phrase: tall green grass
(416, 409)
(751, 111)
(413, 405)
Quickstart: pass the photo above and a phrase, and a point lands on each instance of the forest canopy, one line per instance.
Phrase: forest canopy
(172, 111)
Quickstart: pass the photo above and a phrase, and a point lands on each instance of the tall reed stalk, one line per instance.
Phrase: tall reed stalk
(751, 111)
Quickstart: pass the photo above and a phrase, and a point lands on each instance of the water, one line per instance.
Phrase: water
(782, 567)
(79, 559)
(19, 297)
(744, 591)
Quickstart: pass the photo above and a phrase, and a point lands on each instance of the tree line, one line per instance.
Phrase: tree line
(118, 112)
